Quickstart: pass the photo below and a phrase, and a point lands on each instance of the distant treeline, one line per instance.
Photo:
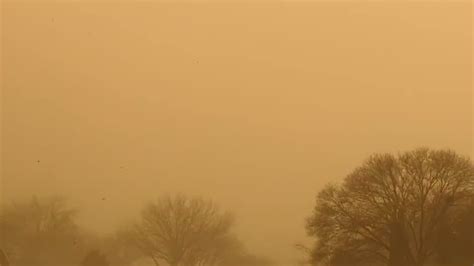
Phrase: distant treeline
(174, 231)
(410, 209)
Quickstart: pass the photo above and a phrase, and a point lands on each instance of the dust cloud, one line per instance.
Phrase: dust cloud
(255, 106)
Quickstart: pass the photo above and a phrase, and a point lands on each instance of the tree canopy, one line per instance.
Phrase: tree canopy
(183, 231)
(392, 209)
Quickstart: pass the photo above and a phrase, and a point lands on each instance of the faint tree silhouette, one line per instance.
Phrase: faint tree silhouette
(94, 258)
(389, 211)
(183, 231)
(4, 259)
(120, 248)
(39, 232)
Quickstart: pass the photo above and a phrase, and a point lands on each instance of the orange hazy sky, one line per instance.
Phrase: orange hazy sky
(255, 105)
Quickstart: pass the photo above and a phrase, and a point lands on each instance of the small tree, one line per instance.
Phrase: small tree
(40, 232)
(95, 258)
(182, 231)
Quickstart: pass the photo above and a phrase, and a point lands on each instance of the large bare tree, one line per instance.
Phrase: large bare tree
(183, 231)
(389, 210)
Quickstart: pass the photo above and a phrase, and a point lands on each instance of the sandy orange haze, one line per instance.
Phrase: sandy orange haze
(256, 105)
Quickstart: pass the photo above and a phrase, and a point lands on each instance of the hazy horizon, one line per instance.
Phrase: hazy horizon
(255, 105)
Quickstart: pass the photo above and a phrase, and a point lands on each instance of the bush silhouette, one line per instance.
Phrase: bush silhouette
(95, 258)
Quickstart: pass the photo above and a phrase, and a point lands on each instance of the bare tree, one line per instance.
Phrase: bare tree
(389, 210)
(39, 232)
(182, 231)
(38, 216)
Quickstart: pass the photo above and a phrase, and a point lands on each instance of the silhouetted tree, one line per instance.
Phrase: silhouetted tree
(39, 232)
(183, 231)
(95, 258)
(390, 210)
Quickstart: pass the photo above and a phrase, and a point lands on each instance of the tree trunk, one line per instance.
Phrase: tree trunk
(399, 249)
